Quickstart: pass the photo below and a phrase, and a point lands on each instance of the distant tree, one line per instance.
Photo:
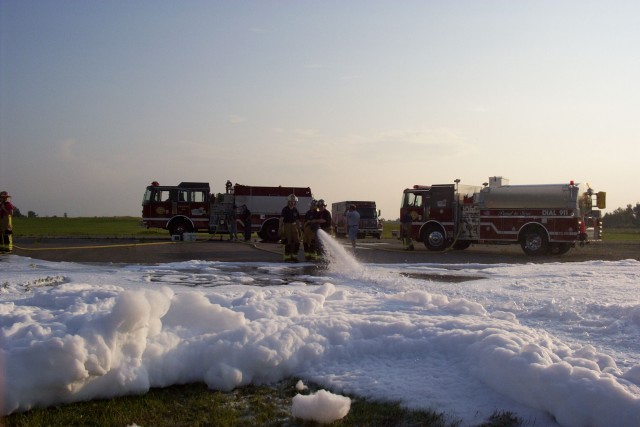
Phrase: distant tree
(17, 213)
(620, 218)
(32, 214)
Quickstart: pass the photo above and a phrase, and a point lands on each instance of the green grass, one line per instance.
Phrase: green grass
(84, 226)
(388, 227)
(196, 405)
(622, 234)
(120, 226)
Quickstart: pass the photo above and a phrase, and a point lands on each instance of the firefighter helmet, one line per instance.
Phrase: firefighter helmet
(321, 202)
(4, 194)
(292, 198)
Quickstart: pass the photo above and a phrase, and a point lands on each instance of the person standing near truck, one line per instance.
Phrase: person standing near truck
(290, 229)
(232, 225)
(405, 232)
(245, 217)
(353, 223)
(6, 227)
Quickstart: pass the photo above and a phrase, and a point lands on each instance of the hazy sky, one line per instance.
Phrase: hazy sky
(355, 99)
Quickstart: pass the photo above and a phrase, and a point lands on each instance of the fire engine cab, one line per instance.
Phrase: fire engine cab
(542, 218)
(190, 207)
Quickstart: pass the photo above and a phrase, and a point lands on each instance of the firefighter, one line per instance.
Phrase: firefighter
(245, 217)
(309, 230)
(232, 224)
(405, 232)
(290, 229)
(324, 221)
(6, 228)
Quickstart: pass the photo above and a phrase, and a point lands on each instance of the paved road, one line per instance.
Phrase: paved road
(151, 251)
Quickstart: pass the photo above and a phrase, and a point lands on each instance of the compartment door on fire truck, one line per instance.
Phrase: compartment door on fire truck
(198, 201)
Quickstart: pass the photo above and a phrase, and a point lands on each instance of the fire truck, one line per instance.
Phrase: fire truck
(370, 224)
(543, 218)
(190, 207)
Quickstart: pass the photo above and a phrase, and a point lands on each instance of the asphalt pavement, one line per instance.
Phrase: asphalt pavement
(383, 251)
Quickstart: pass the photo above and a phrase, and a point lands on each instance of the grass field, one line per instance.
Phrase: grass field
(622, 234)
(124, 226)
(83, 226)
(195, 405)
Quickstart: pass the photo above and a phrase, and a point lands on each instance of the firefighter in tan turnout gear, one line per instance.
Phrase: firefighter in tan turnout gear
(309, 230)
(290, 229)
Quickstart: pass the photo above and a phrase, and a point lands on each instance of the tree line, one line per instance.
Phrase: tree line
(628, 217)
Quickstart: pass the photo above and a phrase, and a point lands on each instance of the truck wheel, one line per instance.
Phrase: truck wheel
(560, 248)
(179, 228)
(434, 238)
(461, 245)
(270, 231)
(534, 242)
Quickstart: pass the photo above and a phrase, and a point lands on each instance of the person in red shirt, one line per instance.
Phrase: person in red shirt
(6, 228)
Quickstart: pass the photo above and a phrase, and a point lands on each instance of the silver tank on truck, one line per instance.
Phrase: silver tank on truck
(500, 195)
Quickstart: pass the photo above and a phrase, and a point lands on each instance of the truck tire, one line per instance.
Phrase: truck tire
(434, 238)
(179, 228)
(534, 241)
(270, 231)
(461, 245)
(560, 248)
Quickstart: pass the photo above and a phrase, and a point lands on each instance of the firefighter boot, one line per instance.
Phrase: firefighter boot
(294, 254)
(308, 254)
(7, 241)
(287, 252)
(408, 244)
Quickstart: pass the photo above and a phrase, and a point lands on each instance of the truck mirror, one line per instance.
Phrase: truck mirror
(601, 199)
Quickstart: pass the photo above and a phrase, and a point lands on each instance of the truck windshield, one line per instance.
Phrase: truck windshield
(368, 213)
(412, 199)
(153, 194)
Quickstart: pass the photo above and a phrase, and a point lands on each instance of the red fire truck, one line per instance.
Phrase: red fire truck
(543, 219)
(190, 207)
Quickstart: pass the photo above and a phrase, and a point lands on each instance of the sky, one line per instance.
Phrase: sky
(357, 100)
(556, 344)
